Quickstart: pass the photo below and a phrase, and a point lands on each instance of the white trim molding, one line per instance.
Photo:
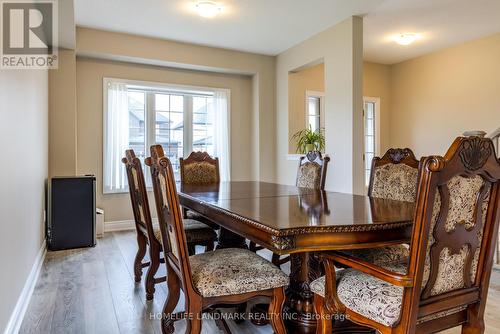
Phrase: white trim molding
(123, 225)
(17, 316)
(119, 225)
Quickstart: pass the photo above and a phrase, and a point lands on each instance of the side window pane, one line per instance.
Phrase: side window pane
(136, 108)
(369, 127)
(313, 112)
(203, 130)
(169, 126)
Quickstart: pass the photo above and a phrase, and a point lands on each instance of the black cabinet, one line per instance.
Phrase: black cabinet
(71, 212)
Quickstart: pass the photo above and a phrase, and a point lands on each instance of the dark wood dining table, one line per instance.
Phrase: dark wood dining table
(300, 222)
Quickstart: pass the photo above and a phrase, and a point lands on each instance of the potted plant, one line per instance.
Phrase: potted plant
(309, 140)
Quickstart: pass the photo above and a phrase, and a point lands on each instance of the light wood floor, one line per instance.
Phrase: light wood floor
(92, 291)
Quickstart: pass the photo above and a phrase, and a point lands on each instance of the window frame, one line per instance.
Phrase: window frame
(321, 96)
(376, 128)
(150, 114)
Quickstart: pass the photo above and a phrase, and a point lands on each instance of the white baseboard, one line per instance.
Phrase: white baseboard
(123, 225)
(119, 225)
(23, 301)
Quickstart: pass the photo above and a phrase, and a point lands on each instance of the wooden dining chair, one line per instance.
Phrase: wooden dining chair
(445, 281)
(312, 171)
(311, 174)
(197, 232)
(197, 169)
(395, 177)
(224, 276)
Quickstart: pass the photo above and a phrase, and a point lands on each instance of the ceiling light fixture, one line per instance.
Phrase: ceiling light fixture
(406, 39)
(208, 9)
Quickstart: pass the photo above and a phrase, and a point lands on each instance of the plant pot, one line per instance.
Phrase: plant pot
(310, 147)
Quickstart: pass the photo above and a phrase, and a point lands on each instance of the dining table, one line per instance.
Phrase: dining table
(301, 223)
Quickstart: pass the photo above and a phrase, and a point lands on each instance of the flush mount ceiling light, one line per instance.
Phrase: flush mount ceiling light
(208, 9)
(406, 39)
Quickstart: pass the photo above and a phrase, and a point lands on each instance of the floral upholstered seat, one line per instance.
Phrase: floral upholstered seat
(195, 232)
(234, 271)
(372, 297)
(382, 255)
(367, 295)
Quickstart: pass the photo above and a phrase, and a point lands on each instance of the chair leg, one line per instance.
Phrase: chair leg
(475, 325)
(276, 311)
(324, 323)
(141, 252)
(252, 246)
(154, 254)
(193, 320)
(209, 246)
(167, 323)
(276, 260)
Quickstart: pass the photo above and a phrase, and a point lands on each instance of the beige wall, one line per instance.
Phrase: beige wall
(138, 49)
(437, 97)
(62, 116)
(309, 79)
(377, 83)
(24, 132)
(90, 73)
(340, 48)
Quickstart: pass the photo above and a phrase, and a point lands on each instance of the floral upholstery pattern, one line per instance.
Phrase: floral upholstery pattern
(309, 175)
(381, 255)
(381, 301)
(369, 296)
(199, 173)
(232, 271)
(463, 192)
(373, 298)
(195, 232)
(396, 182)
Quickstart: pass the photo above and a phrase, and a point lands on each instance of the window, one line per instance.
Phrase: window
(181, 119)
(370, 120)
(314, 110)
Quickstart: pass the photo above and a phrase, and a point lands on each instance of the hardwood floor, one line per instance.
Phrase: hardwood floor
(92, 290)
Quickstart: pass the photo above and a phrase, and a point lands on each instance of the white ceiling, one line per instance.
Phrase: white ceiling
(270, 27)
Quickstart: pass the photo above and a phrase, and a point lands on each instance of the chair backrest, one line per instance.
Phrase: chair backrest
(199, 168)
(170, 216)
(455, 227)
(312, 171)
(138, 193)
(394, 176)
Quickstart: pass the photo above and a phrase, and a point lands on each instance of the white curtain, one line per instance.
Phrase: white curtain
(116, 137)
(220, 114)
